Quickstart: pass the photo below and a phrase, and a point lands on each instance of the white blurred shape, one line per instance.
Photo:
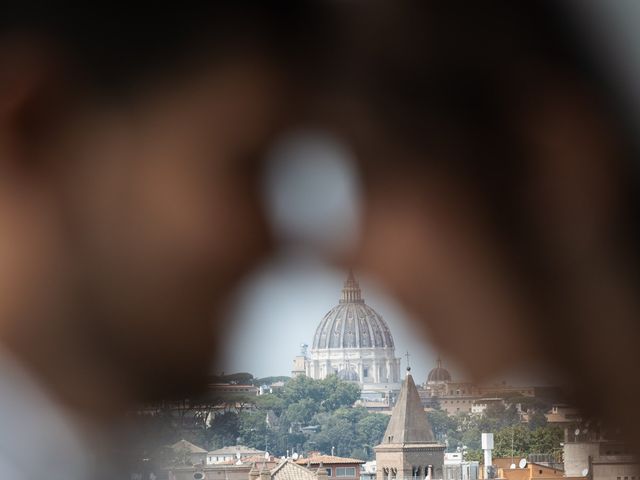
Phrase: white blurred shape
(312, 192)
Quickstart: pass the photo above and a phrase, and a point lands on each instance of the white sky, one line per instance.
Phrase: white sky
(281, 306)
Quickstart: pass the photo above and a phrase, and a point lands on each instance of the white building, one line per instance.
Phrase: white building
(354, 342)
(235, 452)
(456, 468)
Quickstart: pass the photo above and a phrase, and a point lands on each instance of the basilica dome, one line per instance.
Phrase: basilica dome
(354, 343)
(352, 323)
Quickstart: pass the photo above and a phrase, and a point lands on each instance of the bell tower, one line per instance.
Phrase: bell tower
(409, 449)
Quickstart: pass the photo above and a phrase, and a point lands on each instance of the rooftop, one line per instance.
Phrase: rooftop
(232, 450)
(327, 460)
(288, 470)
(186, 445)
(408, 422)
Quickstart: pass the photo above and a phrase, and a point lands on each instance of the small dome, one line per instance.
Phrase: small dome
(439, 374)
(352, 323)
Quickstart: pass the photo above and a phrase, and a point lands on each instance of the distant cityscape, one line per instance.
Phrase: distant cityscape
(347, 411)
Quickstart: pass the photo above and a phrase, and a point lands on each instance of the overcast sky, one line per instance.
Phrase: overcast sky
(282, 305)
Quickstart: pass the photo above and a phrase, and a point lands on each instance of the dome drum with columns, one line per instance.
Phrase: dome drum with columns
(354, 342)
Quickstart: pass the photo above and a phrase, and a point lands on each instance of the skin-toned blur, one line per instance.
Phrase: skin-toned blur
(122, 226)
(499, 197)
(500, 191)
(130, 207)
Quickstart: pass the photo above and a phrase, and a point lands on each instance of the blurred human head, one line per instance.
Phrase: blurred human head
(500, 181)
(130, 147)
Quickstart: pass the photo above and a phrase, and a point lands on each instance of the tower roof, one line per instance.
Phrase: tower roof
(408, 423)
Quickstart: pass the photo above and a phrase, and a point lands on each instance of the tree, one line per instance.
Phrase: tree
(224, 430)
(513, 440)
(547, 439)
(444, 426)
(301, 412)
(270, 401)
(339, 393)
(370, 431)
(537, 419)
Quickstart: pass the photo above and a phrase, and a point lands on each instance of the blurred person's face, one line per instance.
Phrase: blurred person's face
(146, 214)
(429, 234)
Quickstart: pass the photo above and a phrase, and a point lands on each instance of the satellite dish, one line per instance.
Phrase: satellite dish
(522, 463)
(295, 456)
(512, 466)
(577, 431)
(266, 455)
(585, 472)
(585, 431)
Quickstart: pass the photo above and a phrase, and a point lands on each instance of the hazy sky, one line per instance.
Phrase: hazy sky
(312, 195)
(281, 307)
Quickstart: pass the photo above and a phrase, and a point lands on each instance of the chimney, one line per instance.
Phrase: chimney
(487, 446)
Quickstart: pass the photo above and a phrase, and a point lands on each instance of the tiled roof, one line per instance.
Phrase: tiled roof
(408, 423)
(327, 460)
(186, 445)
(288, 470)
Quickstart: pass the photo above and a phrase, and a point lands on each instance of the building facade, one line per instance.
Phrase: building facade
(443, 392)
(339, 468)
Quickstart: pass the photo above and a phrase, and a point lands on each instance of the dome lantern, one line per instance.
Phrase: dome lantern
(351, 292)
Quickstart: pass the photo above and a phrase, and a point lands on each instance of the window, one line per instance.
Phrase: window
(328, 472)
(365, 371)
(345, 472)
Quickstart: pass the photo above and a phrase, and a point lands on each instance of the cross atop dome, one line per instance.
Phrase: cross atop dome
(351, 292)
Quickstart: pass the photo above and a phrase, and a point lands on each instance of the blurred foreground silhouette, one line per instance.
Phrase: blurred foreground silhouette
(497, 154)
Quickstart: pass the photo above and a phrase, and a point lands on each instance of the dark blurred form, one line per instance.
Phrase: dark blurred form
(130, 149)
(497, 150)
(499, 154)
